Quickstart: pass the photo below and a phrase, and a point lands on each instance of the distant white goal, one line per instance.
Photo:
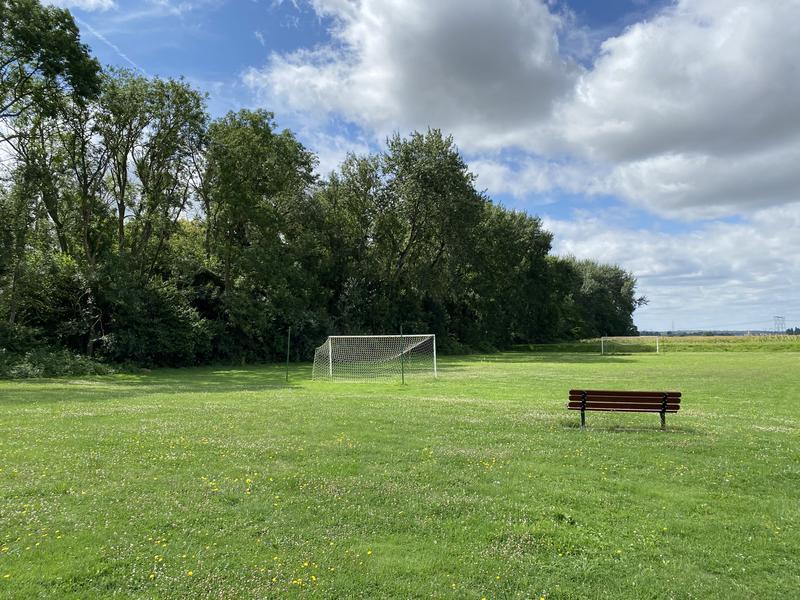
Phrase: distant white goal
(629, 344)
(362, 357)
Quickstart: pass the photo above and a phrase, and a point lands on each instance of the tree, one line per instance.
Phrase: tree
(41, 59)
(254, 176)
(122, 123)
(600, 299)
(164, 163)
(429, 207)
(255, 189)
(507, 276)
(345, 220)
(16, 218)
(399, 225)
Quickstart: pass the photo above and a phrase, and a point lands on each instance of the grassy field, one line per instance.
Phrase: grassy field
(212, 483)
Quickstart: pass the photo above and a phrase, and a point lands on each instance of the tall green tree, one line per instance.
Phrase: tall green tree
(41, 58)
(256, 188)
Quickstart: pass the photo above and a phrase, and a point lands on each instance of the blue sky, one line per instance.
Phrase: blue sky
(661, 136)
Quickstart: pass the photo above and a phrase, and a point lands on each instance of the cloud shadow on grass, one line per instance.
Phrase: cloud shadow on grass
(160, 381)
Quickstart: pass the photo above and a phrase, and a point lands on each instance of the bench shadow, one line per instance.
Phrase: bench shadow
(680, 429)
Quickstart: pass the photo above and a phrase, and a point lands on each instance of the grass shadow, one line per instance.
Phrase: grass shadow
(159, 381)
(544, 357)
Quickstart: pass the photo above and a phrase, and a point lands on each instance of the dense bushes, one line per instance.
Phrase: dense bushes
(154, 325)
(49, 363)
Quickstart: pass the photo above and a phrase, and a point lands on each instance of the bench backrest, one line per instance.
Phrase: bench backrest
(624, 401)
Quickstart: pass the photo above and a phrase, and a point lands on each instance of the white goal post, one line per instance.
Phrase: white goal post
(630, 343)
(360, 357)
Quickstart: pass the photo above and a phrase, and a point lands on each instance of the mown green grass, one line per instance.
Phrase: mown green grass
(477, 485)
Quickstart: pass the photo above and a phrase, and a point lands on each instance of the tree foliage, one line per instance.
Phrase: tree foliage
(134, 229)
(41, 58)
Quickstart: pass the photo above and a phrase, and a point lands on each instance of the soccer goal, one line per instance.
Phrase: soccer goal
(360, 357)
(629, 344)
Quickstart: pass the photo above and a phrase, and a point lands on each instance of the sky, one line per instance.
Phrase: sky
(660, 136)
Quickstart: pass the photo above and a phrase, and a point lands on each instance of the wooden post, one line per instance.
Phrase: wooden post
(402, 358)
(288, 348)
(583, 410)
(435, 372)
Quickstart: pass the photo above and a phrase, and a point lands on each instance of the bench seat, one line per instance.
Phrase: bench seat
(624, 401)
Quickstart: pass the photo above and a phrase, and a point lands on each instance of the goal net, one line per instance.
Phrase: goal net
(358, 357)
(629, 344)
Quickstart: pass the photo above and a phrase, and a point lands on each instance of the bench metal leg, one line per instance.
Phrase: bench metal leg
(663, 421)
(583, 410)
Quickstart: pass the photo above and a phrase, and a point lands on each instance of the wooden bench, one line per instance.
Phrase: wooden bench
(619, 401)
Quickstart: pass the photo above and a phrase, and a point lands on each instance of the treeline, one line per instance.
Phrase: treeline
(135, 229)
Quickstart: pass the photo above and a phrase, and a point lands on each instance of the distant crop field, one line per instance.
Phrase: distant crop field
(776, 343)
(229, 483)
(695, 343)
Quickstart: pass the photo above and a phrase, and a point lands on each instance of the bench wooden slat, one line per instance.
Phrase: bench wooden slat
(623, 393)
(623, 399)
(576, 405)
(640, 410)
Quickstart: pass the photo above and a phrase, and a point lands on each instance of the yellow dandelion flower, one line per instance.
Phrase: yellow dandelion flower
(189, 573)
(369, 552)
(152, 575)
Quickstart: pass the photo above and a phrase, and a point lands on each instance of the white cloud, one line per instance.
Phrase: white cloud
(536, 175)
(485, 71)
(87, 5)
(696, 109)
(692, 113)
(331, 149)
(701, 185)
(707, 76)
(734, 275)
